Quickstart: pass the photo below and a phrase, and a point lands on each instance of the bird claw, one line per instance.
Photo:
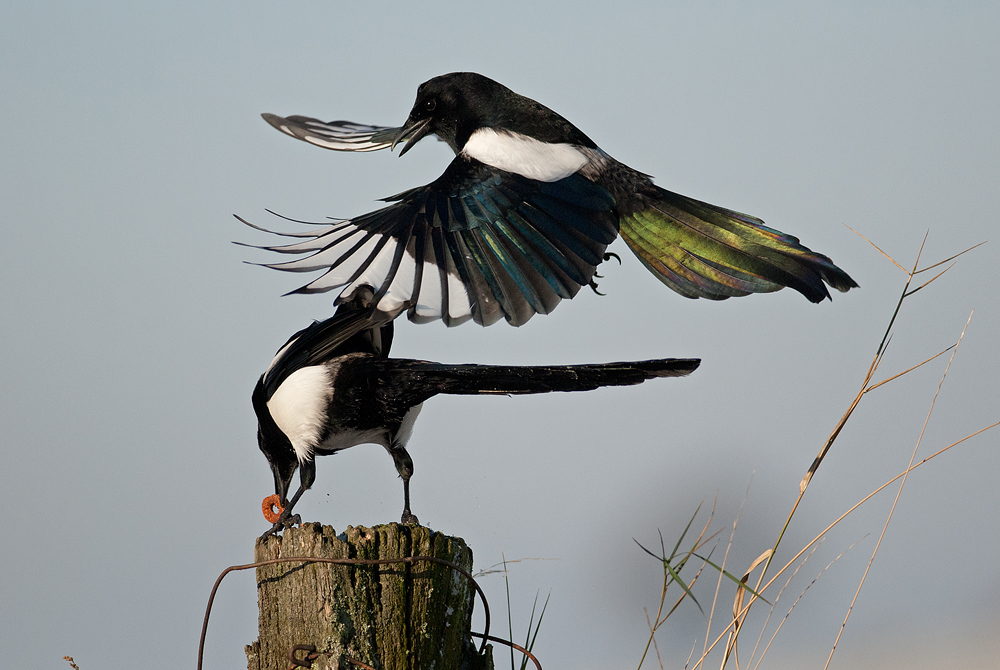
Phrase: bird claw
(282, 523)
(608, 255)
(273, 531)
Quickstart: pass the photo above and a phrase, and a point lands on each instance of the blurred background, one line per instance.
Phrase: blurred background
(133, 332)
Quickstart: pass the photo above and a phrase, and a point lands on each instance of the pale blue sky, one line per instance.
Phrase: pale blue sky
(134, 333)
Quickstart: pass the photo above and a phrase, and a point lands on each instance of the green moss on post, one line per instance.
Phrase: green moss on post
(403, 616)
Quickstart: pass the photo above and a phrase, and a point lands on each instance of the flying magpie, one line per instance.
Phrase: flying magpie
(522, 216)
(332, 386)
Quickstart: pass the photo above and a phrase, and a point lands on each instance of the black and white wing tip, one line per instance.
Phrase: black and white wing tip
(354, 259)
(336, 135)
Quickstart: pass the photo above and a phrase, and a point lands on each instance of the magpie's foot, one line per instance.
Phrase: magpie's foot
(282, 523)
(608, 255)
(409, 519)
(273, 531)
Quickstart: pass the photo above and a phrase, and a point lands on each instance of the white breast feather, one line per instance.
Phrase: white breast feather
(524, 155)
(299, 407)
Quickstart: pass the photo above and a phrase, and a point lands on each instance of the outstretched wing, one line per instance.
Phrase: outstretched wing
(337, 135)
(478, 243)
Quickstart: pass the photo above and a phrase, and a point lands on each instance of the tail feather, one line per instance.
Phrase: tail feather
(423, 379)
(704, 251)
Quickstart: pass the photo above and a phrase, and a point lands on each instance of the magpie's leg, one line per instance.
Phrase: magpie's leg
(307, 475)
(408, 518)
(404, 466)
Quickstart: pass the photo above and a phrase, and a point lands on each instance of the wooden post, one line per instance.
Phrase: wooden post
(402, 616)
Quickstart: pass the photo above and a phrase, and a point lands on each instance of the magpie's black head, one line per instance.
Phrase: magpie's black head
(453, 106)
(275, 445)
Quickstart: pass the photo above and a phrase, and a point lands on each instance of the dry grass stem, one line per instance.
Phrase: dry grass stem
(725, 558)
(499, 568)
(801, 595)
(738, 614)
(672, 574)
(946, 260)
(879, 249)
(741, 609)
(652, 636)
(899, 491)
(771, 610)
(822, 534)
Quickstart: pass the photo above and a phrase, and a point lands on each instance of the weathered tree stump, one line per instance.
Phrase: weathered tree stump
(402, 616)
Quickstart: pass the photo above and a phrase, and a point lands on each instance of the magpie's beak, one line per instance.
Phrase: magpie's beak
(281, 484)
(412, 131)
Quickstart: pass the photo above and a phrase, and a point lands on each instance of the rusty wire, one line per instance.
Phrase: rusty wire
(305, 661)
(311, 655)
(352, 561)
(360, 664)
(509, 644)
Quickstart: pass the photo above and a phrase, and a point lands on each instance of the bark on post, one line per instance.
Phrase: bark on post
(403, 616)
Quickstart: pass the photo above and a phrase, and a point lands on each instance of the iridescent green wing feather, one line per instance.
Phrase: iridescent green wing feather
(704, 251)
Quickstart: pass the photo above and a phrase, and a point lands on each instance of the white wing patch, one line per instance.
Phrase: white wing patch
(459, 308)
(402, 436)
(299, 405)
(379, 267)
(401, 289)
(281, 352)
(429, 300)
(346, 266)
(523, 155)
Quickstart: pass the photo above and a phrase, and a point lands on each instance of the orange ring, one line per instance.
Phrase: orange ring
(269, 504)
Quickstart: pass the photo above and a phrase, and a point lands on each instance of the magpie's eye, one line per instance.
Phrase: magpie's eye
(430, 105)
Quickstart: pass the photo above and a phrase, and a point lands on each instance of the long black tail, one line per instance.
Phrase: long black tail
(423, 379)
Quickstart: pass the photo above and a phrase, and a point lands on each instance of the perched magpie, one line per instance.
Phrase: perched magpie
(332, 386)
(521, 218)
